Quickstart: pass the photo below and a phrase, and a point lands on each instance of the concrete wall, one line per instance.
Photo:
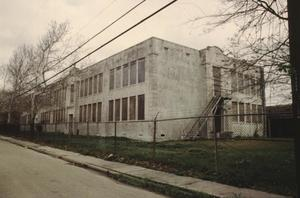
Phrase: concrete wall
(178, 83)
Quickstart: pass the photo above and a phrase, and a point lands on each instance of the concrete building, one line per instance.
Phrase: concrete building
(157, 78)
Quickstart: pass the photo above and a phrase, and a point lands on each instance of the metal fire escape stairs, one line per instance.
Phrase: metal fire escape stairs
(195, 131)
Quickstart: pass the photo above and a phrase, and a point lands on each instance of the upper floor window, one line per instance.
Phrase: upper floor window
(118, 77)
(100, 83)
(111, 79)
(95, 84)
(133, 72)
(90, 85)
(72, 91)
(125, 75)
(141, 70)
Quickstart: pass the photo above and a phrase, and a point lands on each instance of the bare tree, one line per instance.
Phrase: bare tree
(261, 37)
(29, 65)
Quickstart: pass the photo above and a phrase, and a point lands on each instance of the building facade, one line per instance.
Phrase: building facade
(156, 79)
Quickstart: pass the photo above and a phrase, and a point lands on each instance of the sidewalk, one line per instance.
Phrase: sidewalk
(116, 168)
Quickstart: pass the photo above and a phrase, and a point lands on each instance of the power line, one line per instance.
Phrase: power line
(95, 35)
(98, 48)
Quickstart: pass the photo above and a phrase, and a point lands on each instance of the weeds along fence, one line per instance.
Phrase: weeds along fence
(210, 134)
(244, 150)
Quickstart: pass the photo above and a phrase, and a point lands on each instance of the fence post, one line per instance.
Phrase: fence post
(115, 138)
(216, 146)
(154, 137)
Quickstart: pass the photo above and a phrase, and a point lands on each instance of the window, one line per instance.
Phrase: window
(81, 88)
(124, 108)
(94, 109)
(233, 82)
(133, 72)
(141, 70)
(234, 111)
(89, 112)
(241, 111)
(99, 111)
(111, 110)
(247, 84)
(111, 78)
(260, 111)
(100, 85)
(240, 83)
(254, 111)
(248, 111)
(117, 110)
(90, 85)
(72, 91)
(118, 77)
(95, 84)
(85, 87)
(217, 80)
(141, 107)
(125, 75)
(258, 91)
(132, 102)
(84, 113)
(253, 86)
(80, 114)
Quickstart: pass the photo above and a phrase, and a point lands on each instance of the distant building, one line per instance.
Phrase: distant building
(157, 77)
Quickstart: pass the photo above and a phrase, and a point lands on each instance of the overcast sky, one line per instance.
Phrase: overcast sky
(24, 21)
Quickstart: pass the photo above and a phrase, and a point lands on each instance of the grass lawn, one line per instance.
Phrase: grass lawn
(258, 164)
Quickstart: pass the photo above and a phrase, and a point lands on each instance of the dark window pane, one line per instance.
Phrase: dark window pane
(111, 110)
(133, 72)
(111, 79)
(85, 87)
(84, 113)
(90, 85)
(132, 108)
(89, 112)
(100, 83)
(117, 110)
(80, 114)
(124, 108)
(241, 108)
(99, 111)
(141, 70)
(72, 91)
(95, 84)
(141, 107)
(94, 112)
(125, 75)
(118, 77)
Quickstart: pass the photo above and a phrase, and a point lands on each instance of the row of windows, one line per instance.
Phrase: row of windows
(90, 112)
(58, 96)
(126, 108)
(247, 108)
(128, 74)
(91, 85)
(245, 83)
(58, 116)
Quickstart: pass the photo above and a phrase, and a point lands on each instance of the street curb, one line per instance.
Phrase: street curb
(163, 188)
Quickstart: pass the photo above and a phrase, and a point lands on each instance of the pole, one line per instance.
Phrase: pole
(294, 41)
(154, 136)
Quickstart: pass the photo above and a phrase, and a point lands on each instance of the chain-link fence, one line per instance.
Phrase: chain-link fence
(234, 149)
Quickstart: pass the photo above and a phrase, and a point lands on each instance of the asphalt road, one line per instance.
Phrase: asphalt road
(28, 174)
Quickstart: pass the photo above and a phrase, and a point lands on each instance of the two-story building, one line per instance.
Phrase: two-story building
(163, 79)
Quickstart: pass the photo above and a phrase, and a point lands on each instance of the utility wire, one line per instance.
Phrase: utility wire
(98, 48)
(95, 35)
